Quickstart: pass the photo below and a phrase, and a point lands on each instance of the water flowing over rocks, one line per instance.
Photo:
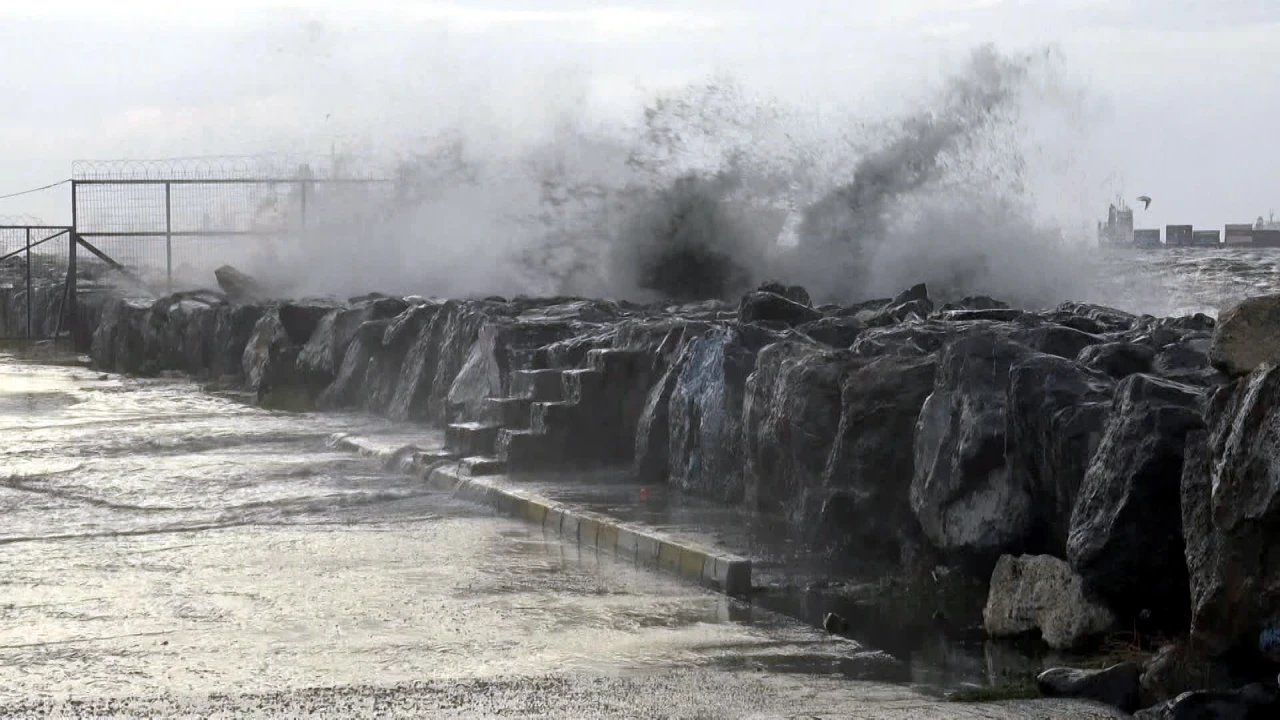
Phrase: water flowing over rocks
(1092, 469)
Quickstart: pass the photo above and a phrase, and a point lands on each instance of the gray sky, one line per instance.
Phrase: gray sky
(1181, 95)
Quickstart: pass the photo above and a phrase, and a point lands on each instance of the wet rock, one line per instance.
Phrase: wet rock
(705, 412)
(1186, 360)
(182, 329)
(1256, 701)
(1056, 414)
(300, 320)
(1094, 319)
(769, 307)
(1118, 359)
(322, 357)
(120, 340)
(434, 360)
(962, 493)
(501, 347)
(908, 340)
(794, 293)
(653, 430)
(239, 287)
(868, 474)
(232, 330)
(270, 357)
(977, 303)
(1042, 593)
(1247, 336)
(990, 315)
(1126, 529)
(834, 332)
(1065, 342)
(1116, 685)
(1180, 667)
(912, 310)
(790, 418)
(1231, 500)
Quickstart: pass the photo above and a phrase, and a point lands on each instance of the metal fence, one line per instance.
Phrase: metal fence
(33, 278)
(178, 219)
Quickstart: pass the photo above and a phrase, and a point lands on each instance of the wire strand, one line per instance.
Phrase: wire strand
(32, 190)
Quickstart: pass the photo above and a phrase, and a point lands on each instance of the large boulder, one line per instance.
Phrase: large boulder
(322, 356)
(270, 357)
(181, 331)
(1231, 496)
(1056, 413)
(968, 504)
(1095, 319)
(1126, 529)
(1041, 593)
(120, 340)
(1247, 336)
(231, 333)
(705, 412)
(867, 479)
(435, 357)
(1118, 359)
(768, 307)
(239, 287)
(501, 347)
(790, 418)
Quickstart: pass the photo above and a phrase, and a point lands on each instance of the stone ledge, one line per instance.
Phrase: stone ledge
(685, 559)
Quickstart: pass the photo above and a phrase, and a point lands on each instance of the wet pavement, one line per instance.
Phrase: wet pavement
(167, 552)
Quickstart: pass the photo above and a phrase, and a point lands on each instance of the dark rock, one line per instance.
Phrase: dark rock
(790, 418)
(917, 310)
(434, 360)
(909, 340)
(1116, 686)
(501, 347)
(270, 357)
(1126, 530)
(976, 302)
(1186, 360)
(835, 332)
(705, 412)
(300, 320)
(963, 495)
(773, 308)
(1065, 342)
(915, 293)
(794, 293)
(1231, 499)
(868, 474)
(653, 431)
(1256, 701)
(1247, 336)
(232, 330)
(1180, 667)
(1055, 418)
(239, 287)
(1118, 359)
(120, 340)
(1041, 593)
(992, 315)
(1094, 319)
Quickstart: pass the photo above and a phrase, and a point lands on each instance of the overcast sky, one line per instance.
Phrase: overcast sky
(1189, 88)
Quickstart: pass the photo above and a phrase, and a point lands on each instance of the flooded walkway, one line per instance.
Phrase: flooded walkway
(171, 553)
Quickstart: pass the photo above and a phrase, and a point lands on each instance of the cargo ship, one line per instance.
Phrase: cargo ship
(1118, 231)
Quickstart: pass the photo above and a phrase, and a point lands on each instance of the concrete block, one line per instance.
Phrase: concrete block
(607, 536)
(669, 557)
(692, 562)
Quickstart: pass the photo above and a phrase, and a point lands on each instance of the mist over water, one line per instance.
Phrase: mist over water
(712, 190)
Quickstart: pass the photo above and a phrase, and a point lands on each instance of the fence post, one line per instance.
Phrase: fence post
(28, 283)
(69, 307)
(303, 186)
(168, 239)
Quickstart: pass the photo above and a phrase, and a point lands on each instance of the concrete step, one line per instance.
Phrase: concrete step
(526, 450)
(472, 438)
(511, 412)
(582, 385)
(480, 465)
(537, 384)
(561, 417)
(613, 361)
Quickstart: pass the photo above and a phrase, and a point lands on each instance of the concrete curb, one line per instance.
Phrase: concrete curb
(723, 572)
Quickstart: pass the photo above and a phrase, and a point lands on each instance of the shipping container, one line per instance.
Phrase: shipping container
(1206, 238)
(1178, 235)
(1238, 234)
(1146, 238)
(1266, 238)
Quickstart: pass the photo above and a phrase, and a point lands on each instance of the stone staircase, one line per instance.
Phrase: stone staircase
(559, 418)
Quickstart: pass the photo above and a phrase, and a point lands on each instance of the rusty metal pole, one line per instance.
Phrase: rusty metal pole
(29, 283)
(168, 239)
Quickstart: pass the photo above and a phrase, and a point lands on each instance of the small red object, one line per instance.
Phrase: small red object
(644, 493)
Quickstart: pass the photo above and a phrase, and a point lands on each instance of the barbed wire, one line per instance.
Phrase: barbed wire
(227, 167)
(33, 190)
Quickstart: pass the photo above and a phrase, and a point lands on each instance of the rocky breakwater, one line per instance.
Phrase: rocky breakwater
(1102, 472)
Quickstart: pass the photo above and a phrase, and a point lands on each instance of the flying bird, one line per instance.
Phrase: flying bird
(1146, 201)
